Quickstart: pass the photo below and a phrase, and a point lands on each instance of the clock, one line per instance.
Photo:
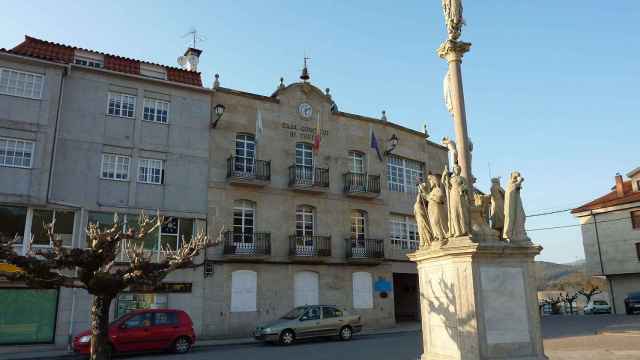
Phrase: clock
(305, 110)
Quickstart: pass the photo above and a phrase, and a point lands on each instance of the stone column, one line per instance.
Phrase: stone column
(478, 301)
(452, 51)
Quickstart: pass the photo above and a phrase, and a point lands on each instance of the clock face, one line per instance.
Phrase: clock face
(305, 110)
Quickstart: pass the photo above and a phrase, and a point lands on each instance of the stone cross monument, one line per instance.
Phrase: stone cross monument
(478, 297)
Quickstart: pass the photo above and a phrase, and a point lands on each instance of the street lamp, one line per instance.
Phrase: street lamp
(219, 111)
(393, 142)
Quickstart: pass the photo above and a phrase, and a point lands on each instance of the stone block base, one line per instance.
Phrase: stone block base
(478, 301)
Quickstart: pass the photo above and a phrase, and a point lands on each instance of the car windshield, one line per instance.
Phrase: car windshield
(294, 314)
(600, 302)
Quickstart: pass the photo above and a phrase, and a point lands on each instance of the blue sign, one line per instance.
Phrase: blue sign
(382, 285)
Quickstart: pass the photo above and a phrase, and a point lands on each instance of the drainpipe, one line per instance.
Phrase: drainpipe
(609, 281)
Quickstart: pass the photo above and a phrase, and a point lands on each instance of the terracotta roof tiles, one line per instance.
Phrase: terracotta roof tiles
(611, 199)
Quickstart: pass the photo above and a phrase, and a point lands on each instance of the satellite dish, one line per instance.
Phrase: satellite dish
(182, 60)
(193, 60)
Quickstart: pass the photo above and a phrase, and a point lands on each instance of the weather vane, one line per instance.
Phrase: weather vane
(195, 36)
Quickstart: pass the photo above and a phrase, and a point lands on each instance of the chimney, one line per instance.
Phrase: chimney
(619, 185)
(189, 61)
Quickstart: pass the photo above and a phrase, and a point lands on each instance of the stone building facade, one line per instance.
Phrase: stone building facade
(84, 135)
(611, 237)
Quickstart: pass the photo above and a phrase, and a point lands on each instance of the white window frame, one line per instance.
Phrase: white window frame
(245, 154)
(83, 61)
(357, 162)
(31, 84)
(244, 210)
(17, 146)
(119, 99)
(31, 213)
(404, 232)
(155, 108)
(146, 177)
(304, 155)
(404, 175)
(121, 166)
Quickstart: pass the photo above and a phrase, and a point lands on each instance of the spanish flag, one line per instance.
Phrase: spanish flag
(316, 137)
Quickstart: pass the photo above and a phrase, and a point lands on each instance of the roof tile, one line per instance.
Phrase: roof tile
(611, 199)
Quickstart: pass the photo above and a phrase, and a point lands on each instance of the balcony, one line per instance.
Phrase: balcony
(365, 250)
(361, 185)
(309, 246)
(308, 178)
(248, 246)
(243, 171)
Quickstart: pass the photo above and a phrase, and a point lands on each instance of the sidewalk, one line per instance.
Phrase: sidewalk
(25, 352)
(632, 329)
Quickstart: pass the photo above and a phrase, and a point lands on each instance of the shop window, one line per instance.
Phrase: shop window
(243, 291)
(63, 226)
(12, 222)
(128, 302)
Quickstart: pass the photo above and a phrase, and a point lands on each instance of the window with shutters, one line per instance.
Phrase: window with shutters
(243, 290)
(362, 290)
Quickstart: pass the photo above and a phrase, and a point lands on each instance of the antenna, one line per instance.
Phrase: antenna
(194, 36)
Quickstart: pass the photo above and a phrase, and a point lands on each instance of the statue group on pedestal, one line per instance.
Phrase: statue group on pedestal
(443, 208)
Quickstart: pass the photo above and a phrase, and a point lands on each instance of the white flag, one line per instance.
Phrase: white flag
(446, 88)
(259, 129)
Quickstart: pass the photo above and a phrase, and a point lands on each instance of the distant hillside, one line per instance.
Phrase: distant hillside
(552, 276)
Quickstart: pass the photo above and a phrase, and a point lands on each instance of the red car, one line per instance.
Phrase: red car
(145, 330)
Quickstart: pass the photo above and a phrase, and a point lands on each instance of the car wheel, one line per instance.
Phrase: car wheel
(287, 337)
(346, 333)
(181, 345)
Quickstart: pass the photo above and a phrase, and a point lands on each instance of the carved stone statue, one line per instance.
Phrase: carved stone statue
(482, 202)
(453, 150)
(437, 209)
(459, 220)
(514, 216)
(422, 220)
(453, 18)
(497, 205)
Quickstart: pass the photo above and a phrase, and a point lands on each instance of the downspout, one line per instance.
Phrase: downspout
(609, 281)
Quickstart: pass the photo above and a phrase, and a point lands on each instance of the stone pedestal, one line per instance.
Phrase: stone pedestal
(478, 301)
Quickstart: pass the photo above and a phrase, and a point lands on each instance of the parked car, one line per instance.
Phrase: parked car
(632, 303)
(145, 330)
(598, 307)
(310, 321)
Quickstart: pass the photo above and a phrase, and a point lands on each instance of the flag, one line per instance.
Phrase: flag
(259, 129)
(316, 137)
(374, 143)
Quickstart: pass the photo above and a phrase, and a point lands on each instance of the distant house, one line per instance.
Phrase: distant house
(611, 237)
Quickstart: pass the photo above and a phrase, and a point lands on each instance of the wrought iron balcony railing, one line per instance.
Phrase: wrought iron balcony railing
(355, 183)
(363, 248)
(309, 245)
(249, 169)
(300, 175)
(248, 244)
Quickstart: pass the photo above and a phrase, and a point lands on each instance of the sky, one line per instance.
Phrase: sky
(550, 86)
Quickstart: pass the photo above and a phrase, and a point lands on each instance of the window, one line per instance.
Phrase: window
(150, 171)
(306, 289)
(12, 222)
(138, 321)
(635, 219)
(305, 222)
(356, 161)
(153, 71)
(20, 83)
(404, 175)
(304, 155)
(358, 232)
(329, 312)
(16, 153)
(245, 154)
(122, 105)
(89, 62)
(63, 226)
(174, 231)
(156, 110)
(362, 290)
(165, 318)
(115, 167)
(244, 216)
(312, 313)
(404, 232)
(243, 290)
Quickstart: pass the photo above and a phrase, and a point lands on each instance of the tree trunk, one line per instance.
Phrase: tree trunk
(100, 345)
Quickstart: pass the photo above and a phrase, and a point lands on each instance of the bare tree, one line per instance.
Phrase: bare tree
(588, 292)
(569, 300)
(553, 302)
(96, 270)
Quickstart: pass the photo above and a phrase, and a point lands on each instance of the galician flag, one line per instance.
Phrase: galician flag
(316, 137)
(259, 129)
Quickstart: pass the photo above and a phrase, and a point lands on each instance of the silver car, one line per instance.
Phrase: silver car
(309, 321)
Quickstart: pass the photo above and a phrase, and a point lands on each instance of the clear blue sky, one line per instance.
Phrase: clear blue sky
(551, 86)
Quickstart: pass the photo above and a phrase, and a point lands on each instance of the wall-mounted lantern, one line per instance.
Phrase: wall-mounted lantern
(218, 110)
(392, 143)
